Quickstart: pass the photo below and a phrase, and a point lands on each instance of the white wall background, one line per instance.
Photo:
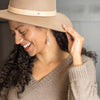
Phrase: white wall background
(85, 16)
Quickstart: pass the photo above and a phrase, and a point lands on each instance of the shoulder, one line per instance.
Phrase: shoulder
(90, 66)
(12, 93)
(87, 60)
(4, 94)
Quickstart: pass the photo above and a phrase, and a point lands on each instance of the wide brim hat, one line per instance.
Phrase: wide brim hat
(36, 12)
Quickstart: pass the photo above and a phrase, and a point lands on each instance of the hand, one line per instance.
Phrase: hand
(75, 43)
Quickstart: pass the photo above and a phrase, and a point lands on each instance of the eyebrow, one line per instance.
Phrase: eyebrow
(17, 27)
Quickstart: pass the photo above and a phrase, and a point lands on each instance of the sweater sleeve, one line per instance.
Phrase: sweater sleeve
(83, 85)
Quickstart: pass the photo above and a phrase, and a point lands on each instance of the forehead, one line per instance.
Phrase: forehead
(15, 24)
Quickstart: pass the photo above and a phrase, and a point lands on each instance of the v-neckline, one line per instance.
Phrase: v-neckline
(54, 71)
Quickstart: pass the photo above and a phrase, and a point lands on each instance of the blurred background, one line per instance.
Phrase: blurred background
(85, 16)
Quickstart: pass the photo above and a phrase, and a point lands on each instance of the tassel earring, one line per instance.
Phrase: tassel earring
(48, 42)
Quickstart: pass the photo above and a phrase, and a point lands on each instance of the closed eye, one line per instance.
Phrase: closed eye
(22, 32)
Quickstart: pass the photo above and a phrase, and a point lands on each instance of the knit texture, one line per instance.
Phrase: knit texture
(65, 82)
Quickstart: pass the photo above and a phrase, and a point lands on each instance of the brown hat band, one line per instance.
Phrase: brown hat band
(31, 12)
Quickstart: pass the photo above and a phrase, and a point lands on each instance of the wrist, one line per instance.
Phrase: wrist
(77, 61)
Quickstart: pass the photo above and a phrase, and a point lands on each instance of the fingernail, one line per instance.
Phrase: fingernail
(64, 25)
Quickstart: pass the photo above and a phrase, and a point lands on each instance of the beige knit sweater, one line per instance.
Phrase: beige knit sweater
(65, 82)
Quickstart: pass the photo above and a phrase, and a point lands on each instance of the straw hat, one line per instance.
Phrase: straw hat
(36, 12)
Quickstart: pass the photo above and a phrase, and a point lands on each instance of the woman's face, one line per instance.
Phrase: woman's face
(32, 38)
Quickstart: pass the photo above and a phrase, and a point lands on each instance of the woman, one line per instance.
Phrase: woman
(48, 61)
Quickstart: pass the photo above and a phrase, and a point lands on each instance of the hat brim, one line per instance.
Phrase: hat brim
(54, 22)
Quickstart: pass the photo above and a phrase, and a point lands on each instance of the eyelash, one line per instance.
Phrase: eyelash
(13, 33)
(22, 32)
(19, 32)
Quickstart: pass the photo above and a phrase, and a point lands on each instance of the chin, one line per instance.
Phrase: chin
(31, 54)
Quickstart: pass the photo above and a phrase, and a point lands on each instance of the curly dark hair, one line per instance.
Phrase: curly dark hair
(18, 68)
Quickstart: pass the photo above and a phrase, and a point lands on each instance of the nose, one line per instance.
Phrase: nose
(18, 38)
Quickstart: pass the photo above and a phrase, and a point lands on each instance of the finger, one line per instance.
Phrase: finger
(69, 38)
(67, 32)
(71, 31)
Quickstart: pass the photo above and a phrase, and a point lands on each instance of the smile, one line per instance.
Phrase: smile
(27, 45)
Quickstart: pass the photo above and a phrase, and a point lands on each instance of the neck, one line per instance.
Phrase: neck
(51, 53)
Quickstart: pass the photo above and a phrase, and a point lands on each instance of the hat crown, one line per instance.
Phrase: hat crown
(36, 12)
(36, 5)
(33, 7)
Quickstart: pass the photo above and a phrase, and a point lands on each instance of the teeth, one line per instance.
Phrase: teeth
(25, 46)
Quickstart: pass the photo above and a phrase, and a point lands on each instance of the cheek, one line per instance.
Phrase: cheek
(36, 38)
(41, 38)
(29, 36)
(40, 41)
